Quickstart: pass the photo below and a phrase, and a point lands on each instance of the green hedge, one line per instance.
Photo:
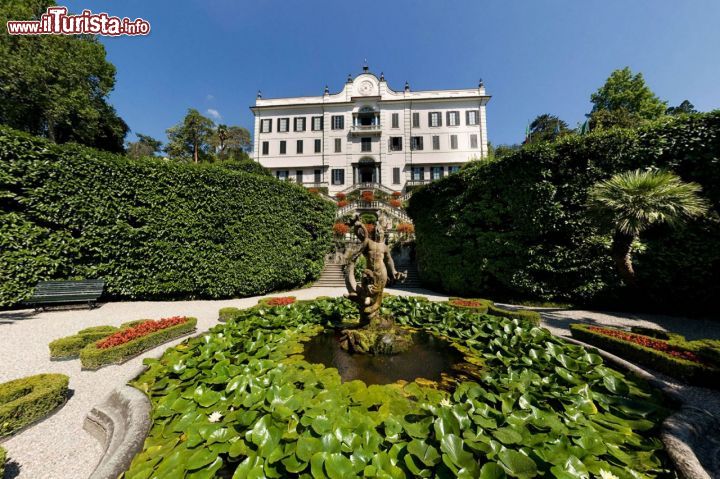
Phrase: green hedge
(92, 357)
(70, 346)
(3, 458)
(688, 371)
(151, 228)
(226, 314)
(24, 401)
(517, 228)
(490, 308)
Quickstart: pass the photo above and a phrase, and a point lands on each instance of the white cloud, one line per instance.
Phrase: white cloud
(210, 97)
(214, 114)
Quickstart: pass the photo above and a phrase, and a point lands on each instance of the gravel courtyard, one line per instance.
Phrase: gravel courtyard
(59, 448)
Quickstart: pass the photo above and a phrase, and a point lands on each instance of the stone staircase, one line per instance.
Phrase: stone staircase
(331, 276)
(413, 279)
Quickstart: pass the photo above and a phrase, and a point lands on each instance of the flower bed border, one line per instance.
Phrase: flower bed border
(93, 358)
(522, 314)
(47, 392)
(682, 369)
(69, 347)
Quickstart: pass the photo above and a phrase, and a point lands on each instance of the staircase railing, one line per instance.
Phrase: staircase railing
(374, 205)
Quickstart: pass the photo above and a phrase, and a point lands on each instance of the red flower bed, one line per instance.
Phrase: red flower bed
(341, 229)
(395, 203)
(340, 196)
(143, 329)
(396, 194)
(367, 196)
(284, 301)
(467, 303)
(649, 342)
(342, 203)
(406, 228)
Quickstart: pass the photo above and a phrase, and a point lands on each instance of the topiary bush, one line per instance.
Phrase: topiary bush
(241, 401)
(26, 400)
(69, 347)
(151, 228)
(94, 357)
(518, 227)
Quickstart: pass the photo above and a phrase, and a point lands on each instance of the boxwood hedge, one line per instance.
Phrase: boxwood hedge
(688, 371)
(92, 357)
(518, 227)
(70, 346)
(151, 228)
(24, 401)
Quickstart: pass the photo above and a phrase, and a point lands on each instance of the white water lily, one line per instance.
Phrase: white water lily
(607, 474)
(215, 416)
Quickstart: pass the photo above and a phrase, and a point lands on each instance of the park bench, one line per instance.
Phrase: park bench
(64, 292)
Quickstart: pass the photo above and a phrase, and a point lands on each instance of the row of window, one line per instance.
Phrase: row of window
(417, 173)
(395, 143)
(299, 176)
(337, 122)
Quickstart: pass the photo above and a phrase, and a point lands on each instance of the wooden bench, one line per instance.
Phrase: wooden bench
(63, 292)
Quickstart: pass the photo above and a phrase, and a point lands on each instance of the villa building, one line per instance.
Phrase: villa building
(369, 135)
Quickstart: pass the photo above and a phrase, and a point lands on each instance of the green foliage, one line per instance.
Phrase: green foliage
(688, 371)
(92, 357)
(190, 139)
(532, 317)
(519, 228)
(231, 143)
(151, 228)
(247, 166)
(144, 146)
(625, 100)
(70, 346)
(226, 314)
(240, 401)
(57, 85)
(684, 108)
(635, 200)
(26, 400)
(545, 128)
(3, 458)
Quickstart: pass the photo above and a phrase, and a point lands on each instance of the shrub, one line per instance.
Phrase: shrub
(646, 353)
(151, 228)
(133, 323)
(518, 227)
(340, 229)
(3, 458)
(26, 400)
(340, 196)
(134, 332)
(226, 314)
(70, 346)
(94, 357)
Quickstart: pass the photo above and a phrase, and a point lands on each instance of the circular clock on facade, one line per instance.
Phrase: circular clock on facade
(366, 87)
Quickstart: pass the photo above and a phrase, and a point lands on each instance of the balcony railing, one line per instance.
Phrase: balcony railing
(366, 129)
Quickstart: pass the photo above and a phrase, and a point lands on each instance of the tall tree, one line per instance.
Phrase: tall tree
(547, 128)
(633, 201)
(56, 85)
(144, 146)
(624, 100)
(231, 142)
(683, 108)
(191, 138)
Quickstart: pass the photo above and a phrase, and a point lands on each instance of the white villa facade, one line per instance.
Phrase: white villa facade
(370, 135)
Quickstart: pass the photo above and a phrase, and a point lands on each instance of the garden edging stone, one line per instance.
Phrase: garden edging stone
(121, 424)
(691, 434)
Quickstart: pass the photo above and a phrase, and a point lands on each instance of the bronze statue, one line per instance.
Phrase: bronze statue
(375, 334)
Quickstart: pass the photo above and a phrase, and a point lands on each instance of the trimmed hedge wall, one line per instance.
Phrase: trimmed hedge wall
(688, 371)
(26, 400)
(92, 357)
(70, 346)
(151, 228)
(518, 227)
(488, 307)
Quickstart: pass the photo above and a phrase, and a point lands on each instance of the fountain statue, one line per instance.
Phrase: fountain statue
(375, 334)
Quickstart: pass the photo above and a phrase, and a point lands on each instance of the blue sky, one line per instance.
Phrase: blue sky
(535, 56)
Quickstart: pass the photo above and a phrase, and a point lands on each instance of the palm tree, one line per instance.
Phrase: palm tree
(635, 200)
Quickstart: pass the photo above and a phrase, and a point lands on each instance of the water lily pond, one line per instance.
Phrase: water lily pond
(242, 401)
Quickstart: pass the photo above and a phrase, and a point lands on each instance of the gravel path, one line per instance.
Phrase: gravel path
(58, 447)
